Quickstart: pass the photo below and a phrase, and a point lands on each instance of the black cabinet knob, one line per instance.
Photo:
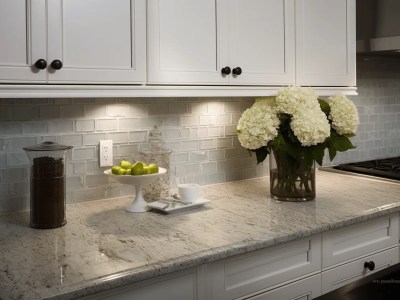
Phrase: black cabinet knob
(41, 64)
(226, 71)
(237, 71)
(56, 64)
(370, 265)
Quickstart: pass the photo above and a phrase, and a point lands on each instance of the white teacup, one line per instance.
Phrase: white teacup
(189, 192)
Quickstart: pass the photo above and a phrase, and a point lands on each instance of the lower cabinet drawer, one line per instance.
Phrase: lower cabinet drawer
(181, 285)
(345, 244)
(352, 271)
(260, 270)
(304, 289)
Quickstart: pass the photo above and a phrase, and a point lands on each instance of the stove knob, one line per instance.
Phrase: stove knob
(370, 265)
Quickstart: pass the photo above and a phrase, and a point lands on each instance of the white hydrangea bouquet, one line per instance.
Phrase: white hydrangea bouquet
(297, 127)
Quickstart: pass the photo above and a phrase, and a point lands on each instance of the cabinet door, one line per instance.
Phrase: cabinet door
(305, 289)
(187, 42)
(261, 41)
(97, 41)
(325, 42)
(22, 40)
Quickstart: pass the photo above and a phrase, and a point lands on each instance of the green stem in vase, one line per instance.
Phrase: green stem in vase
(291, 179)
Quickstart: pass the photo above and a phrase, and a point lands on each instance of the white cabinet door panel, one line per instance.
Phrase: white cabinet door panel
(180, 285)
(348, 273)
(325, 42)
(182, 50)
(261, 41)
(13, 32)
(22, 40)
(190, 41)
(259, 270)
(341, 245)
(305, 289)
(97, 40)
(183, 46)
(96, 44)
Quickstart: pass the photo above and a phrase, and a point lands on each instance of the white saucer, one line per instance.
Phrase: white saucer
(169, 206)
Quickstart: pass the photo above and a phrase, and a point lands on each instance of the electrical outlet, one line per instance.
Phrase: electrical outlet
(106, 153)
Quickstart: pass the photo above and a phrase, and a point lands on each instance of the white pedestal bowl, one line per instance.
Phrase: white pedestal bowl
(139, 181)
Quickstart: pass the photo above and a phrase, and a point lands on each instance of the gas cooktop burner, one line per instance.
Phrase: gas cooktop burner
(387, 167)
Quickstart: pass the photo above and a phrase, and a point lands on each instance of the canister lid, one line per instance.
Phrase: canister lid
(47, 146)
(156, 144)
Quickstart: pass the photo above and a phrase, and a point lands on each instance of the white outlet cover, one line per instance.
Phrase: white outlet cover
(106, 153)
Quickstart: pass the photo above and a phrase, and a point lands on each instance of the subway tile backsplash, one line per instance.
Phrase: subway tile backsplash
(378, 103)
(200, 131)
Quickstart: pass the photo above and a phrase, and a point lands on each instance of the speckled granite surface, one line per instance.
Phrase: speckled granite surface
(103, 246)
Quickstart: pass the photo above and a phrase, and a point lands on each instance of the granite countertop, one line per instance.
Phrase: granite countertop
(103, 246)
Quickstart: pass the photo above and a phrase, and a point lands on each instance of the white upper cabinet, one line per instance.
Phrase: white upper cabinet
(174, 44)
(218, 42)
(261, 41)
(22, 40)
(91, 41)
(182, 42)
(325, 42)
(99, 41)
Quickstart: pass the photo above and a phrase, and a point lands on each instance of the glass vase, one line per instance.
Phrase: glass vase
(291, 179)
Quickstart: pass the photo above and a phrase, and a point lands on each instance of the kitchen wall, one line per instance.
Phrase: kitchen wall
(378, 103)
(200, 131)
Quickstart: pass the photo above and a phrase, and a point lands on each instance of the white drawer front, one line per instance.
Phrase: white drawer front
(340, 276)
(305, 289)
(351, 242)
(246, 274)
(181, 285)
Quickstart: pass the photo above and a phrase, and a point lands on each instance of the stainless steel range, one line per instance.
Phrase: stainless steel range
(386, 168)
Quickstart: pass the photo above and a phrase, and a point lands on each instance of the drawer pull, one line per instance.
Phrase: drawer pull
(370, 265)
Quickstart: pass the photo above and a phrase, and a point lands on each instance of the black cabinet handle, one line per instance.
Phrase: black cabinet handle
(237, 71)
(56, 64)
(370, 265)
(226, 71)
(41, 64)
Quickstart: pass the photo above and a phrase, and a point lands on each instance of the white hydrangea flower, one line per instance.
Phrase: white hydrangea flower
(268, 101)
(343, 114)
(257, 126)
(290, 100)
(310, 126)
